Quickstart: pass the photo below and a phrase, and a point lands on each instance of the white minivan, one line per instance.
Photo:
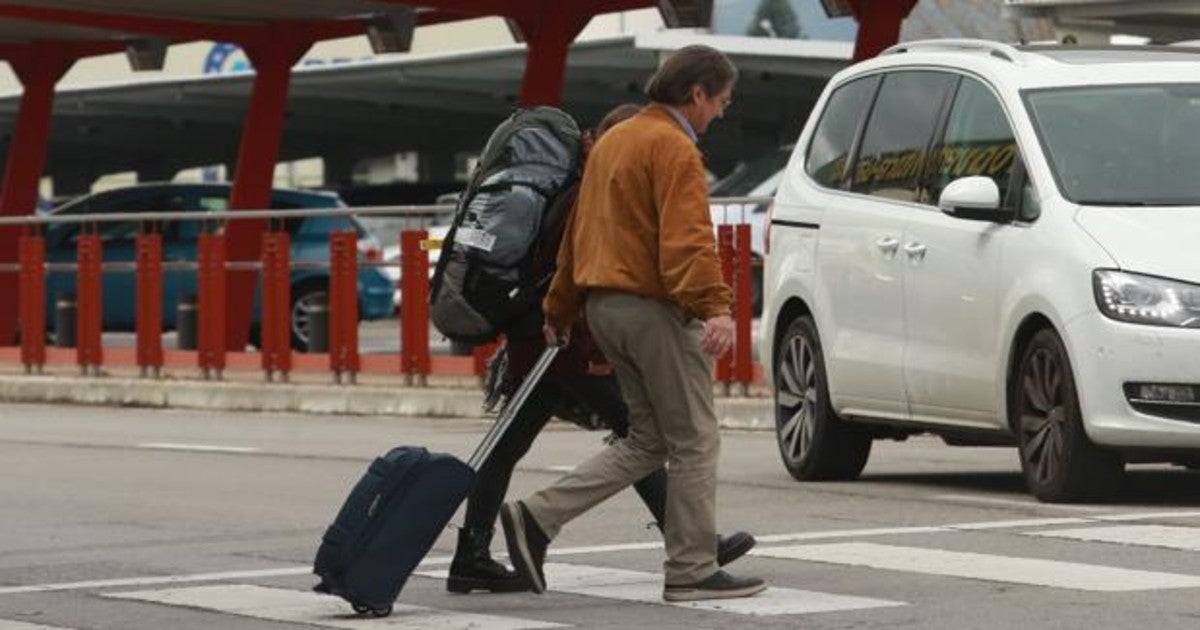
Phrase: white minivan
(997, 245)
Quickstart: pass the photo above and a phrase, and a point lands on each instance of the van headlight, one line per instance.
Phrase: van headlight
(1139, 299)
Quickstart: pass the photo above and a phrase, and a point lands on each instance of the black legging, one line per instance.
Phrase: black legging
(603, 395)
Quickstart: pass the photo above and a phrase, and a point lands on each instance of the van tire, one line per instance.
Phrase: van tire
(814, 443)
(1060, 464)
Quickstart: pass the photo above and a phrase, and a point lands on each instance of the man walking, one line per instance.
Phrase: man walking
(641, 259)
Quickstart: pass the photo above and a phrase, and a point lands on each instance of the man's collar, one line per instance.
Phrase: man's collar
(683, 122)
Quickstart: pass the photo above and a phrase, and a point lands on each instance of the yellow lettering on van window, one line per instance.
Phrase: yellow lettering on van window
(1003, 159)
(980, 158)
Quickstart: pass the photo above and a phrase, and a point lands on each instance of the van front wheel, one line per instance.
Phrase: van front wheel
(814, 442)
(1058, 460)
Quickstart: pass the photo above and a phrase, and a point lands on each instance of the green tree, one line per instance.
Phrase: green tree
(775, 18)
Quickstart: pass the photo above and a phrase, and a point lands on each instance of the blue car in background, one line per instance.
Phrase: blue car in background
(309, 238)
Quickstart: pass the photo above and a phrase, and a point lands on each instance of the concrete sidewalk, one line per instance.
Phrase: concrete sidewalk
(459, 398)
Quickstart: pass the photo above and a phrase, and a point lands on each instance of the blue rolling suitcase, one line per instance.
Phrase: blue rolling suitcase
(396, 511)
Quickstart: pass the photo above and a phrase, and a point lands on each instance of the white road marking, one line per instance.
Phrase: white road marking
(980, 566)
(1031, 503)
(646, 588)
(852, 533)
(8, 624)
(1028, 522)
(1185, 538)
(199, 448)
(1145, 516)
(156, 580)
(276, 604)
(598, 549)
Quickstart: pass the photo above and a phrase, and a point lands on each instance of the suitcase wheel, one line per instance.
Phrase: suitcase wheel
(374, 612)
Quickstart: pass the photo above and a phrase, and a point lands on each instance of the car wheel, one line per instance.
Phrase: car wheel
(1059, 462)
(814, 442)
(306, 299)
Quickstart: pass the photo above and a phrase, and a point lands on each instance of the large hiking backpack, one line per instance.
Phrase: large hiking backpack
(484, 281)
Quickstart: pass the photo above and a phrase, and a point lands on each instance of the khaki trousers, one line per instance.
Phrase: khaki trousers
(666, 380)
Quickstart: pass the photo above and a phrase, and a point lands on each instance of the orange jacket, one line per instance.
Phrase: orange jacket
(641, 224)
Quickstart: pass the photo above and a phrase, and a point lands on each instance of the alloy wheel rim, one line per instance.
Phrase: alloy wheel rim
(301, 311)
(1043, 414)
(796, 399)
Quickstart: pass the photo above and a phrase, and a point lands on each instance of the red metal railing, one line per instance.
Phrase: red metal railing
(276, 305)
(149, 280)
(211, 315)
(416, 361)
(32, 293)
(343, 305)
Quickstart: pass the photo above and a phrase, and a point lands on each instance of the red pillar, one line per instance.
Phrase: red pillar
(39, 69)
(878, 24)
(549, 33)
(273, 57)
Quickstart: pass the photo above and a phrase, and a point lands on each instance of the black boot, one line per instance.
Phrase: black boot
(474, 569)
(731, 547)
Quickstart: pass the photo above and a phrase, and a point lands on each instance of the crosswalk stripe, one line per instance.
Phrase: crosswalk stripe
(1170, 537)
(277, 604)
(1038, 572)
(646, 588)
(9, 624)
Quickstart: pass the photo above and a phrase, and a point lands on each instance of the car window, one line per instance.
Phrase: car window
(898, 133)
(830, 148)
(118, 231)
(212, 201)
(978, 141)
(749, 176)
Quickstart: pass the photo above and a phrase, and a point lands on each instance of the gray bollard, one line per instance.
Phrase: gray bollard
(318, 326)
(64, 320)
(186, 322)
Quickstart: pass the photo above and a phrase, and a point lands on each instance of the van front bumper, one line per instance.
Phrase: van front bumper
(1117, 365)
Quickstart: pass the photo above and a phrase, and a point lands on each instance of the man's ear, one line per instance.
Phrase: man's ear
(698, 95)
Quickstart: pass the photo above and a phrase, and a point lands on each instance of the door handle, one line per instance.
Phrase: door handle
(888, 244)
(914, 250)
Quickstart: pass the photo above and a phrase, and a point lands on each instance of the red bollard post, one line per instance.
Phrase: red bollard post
(32, 297)
(211, 269)
(725, 252)
(276, 325)
(343, 305)
(415, 361)
(90, 306)
(149, 303)
(743, 368)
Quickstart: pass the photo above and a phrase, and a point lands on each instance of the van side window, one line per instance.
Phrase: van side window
(831, 143)
(899, 132)
(978, 141)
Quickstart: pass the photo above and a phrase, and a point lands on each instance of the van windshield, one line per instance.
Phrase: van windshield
(1123, 145)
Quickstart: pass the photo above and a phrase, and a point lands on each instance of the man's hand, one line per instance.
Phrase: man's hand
(718, 335)
(554, 337)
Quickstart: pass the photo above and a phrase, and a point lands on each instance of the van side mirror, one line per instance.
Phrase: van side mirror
(974, 198)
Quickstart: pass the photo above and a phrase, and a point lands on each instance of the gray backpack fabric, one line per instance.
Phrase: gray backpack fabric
(483, 281)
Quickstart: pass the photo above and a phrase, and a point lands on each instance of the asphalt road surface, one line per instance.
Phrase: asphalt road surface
(146, 519)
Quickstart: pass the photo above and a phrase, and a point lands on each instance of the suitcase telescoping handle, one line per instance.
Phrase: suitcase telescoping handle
(514, 406)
